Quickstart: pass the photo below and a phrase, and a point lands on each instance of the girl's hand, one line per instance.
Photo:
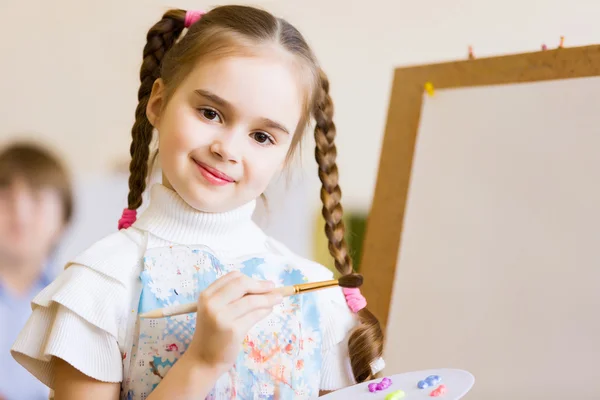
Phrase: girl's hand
(227, 310)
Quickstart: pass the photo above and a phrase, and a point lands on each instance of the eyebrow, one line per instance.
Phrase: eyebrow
(275, 125)
(225, 104)
(213, 97)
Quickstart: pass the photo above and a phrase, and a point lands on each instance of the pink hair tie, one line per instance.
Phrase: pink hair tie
(127, 219)
(191, 17)
(356, 301)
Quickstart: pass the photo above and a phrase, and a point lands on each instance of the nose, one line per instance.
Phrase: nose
(227, 147)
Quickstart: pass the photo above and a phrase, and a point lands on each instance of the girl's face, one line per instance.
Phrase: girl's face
(227, 129)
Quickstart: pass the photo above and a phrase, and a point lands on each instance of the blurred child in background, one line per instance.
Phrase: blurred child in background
(35, 208)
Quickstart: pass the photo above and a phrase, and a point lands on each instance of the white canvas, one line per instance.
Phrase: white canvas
(499, 267)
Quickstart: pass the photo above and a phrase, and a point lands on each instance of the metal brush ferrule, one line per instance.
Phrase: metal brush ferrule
(309, 287)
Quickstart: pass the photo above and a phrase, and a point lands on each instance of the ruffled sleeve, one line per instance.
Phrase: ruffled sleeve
(80, 315)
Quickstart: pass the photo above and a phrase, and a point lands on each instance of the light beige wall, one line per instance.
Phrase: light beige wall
(69, 68)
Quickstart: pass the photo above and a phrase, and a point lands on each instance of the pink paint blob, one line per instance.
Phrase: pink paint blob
(440, 391)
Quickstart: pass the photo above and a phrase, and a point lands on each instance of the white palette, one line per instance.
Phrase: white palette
(457, 382)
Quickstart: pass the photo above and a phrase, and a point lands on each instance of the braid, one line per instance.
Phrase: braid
(366, 341)
(161, 37)
(331, 194)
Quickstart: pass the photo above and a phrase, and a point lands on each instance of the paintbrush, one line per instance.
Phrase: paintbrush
(348, 281)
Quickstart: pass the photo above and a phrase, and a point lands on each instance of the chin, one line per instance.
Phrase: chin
(211, 199)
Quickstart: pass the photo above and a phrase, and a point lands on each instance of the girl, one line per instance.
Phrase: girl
(229, 101)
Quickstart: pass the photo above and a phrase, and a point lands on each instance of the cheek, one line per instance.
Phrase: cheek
(50, 217)
(266, 167)
(181, 133)
(173, 145)
(174, 137)
(5, 223)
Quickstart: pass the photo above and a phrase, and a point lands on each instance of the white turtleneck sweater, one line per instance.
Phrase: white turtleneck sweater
(82, 316)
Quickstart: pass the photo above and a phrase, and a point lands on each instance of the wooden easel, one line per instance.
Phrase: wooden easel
(384, 228)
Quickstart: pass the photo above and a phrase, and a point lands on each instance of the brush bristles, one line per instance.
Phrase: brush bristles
(351, 281)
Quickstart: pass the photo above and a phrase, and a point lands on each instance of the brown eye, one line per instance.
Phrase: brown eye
(210, 114)
(263, 138)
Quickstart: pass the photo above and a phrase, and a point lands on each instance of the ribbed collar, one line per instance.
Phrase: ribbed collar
(170, 218)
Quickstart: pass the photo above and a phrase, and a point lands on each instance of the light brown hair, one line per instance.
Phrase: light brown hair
(39, 168)
(238, 30)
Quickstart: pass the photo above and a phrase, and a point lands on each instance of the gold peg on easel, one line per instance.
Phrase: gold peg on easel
(429, 88)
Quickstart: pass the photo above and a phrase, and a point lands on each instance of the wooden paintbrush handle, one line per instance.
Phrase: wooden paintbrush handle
(284, 291)
(180, 309)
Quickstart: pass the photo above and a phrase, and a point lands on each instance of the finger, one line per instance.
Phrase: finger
(276, 392)
(219, 283)
(247, 321)
(253, 302)
(238, 287)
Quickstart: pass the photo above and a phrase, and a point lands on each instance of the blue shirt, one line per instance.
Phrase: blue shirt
(16, 383)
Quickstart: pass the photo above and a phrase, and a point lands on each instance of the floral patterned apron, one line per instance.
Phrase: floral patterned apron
(283, 350)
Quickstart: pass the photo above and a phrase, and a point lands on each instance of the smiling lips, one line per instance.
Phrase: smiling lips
(214, 176)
